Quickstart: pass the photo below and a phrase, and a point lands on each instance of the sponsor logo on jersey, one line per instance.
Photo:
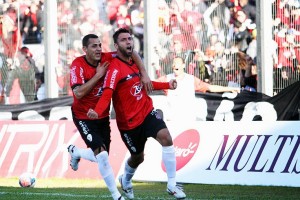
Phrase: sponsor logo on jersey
(136, 90)
(113, 78)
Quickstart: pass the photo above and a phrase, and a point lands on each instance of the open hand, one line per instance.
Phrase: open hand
(101, 69)
(173, 84)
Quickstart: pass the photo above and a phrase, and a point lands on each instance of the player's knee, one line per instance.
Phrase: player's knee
(137, 159)
(164, 137)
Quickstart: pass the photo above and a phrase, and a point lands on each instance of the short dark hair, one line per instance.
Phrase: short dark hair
(85, 39)
(118, 32)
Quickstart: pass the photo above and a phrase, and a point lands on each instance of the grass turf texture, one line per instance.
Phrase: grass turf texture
(81, 189)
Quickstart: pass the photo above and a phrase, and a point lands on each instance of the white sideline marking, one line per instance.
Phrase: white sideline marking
(71, 195)
(54, 194)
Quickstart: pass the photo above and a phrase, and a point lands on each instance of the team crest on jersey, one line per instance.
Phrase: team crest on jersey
(136, 90)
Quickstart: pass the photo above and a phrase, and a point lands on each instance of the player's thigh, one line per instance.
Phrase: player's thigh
(95, 133)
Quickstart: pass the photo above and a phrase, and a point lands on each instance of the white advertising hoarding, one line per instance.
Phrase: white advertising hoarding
(247, 153)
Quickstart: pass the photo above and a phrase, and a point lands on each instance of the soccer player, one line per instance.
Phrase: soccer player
(182, 101)
(135, 115)
(86, 80)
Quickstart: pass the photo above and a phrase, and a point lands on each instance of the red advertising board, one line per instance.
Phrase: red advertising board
(41, 147)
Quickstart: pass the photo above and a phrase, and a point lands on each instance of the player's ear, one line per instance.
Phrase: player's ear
(84, 49)
(116, 46)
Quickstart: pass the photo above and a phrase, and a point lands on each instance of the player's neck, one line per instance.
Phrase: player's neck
(124, 58)
(179, 76)
(92, 62)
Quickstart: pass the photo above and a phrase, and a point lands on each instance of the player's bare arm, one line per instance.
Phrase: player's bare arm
(81, 91)
(145, 79)
(102, 104)
(218, 88)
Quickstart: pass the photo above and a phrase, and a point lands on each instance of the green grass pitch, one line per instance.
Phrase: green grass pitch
(81, 189)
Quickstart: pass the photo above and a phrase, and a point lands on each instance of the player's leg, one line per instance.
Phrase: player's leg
(157, 129)
(107, 174)
(169, 160)
(99, 131)
(77, 153)
(135, 143)
(100, 147)
(125, 179)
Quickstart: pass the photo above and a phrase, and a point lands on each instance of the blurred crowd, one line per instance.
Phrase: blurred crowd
(216, 38)
(101, 17)
(21, 24)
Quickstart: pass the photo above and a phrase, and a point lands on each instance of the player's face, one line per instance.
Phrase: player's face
(125, 44)
(93, 51)
(178, 66)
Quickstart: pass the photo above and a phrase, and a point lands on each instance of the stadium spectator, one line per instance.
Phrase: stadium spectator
(40, 86)
(250, 79)
(32, 25)
(217, 25)
(23, 69)
(136, 118)
(9, 32)
(249, 7)
(252, 48)
(3, 76)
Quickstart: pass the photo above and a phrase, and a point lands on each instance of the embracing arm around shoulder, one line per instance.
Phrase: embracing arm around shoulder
(144, 76)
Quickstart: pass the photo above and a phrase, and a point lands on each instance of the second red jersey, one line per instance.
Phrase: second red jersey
(81, 72)
(131, 101)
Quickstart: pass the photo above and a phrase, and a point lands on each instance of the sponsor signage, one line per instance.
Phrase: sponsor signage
(250, 153)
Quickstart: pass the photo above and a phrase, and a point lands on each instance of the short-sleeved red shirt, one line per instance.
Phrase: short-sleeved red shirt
(131, 101)
(81, 72)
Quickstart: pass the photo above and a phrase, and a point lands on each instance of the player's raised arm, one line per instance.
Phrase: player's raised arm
(144, 76)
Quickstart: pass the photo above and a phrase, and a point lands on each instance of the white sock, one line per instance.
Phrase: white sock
(128, 174)
(169, 160)
(87, 154)
(107, 173)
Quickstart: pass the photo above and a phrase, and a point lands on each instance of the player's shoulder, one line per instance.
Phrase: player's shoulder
(116, 62)
(108, 56)
(78, 60)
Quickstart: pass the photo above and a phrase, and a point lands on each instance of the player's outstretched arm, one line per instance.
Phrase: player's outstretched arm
(172, 85)
(218, 88)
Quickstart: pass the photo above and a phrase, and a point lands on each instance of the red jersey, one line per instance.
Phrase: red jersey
(81, 72)
(131, 101)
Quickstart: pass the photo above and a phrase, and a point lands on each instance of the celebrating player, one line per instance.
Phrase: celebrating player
(86, 80)
(135, 115)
